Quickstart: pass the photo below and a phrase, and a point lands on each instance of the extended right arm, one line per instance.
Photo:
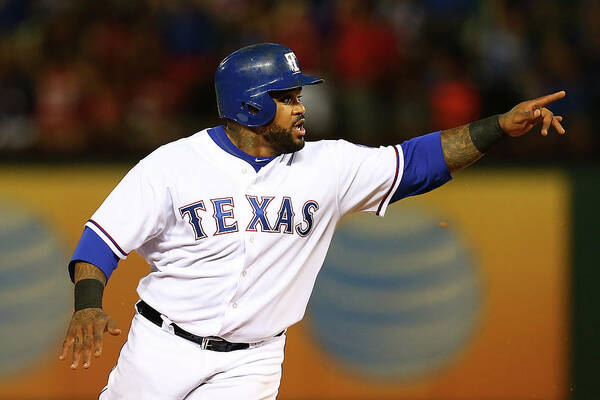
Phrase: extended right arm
(89, 321)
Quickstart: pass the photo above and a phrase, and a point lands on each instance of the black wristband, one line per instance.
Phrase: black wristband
(486, 132)
(88, 294)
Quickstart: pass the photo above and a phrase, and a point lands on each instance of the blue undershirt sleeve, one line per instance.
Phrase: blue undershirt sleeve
(424, 166)
(92, 249)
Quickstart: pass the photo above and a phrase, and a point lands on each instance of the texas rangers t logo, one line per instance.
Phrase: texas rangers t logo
(292, 62)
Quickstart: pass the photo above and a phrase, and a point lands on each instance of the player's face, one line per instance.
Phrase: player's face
(286, 132)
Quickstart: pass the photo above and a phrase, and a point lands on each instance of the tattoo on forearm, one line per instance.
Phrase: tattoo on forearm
(459, 150)
(85, 270)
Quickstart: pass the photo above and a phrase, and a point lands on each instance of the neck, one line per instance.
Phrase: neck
(249, 141)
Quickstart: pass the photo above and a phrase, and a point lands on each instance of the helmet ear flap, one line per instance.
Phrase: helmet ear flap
(247, 110)
(258, 112)
(251, 107)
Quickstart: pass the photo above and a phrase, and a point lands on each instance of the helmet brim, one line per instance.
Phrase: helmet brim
(294, 81)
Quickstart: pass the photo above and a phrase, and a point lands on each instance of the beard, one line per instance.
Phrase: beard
(282, 139)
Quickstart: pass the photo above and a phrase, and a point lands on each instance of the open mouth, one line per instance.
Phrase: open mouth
(299, 127)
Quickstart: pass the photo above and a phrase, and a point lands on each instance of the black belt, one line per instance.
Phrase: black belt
(208, 343)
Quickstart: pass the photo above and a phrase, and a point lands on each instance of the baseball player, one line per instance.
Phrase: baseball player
(235, 222)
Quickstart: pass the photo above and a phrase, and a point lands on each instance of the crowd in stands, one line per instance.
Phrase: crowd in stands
(87, 78)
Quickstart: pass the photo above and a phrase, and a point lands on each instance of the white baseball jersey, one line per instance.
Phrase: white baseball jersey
(233, 252)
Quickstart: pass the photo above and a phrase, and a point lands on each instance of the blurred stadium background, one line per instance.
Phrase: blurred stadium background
(500, 305)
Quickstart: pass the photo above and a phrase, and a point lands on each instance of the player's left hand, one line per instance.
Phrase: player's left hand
(524, 116)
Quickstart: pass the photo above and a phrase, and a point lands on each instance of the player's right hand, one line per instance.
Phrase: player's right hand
(85, 335)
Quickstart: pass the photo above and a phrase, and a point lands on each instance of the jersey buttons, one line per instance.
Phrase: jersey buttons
(244, 170)
(234, 305)
(244, 273)
(251, 239)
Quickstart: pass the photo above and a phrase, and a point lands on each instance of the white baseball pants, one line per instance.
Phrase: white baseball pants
(156, 364)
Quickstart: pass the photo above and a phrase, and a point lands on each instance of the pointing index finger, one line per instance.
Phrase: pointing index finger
(549, 98)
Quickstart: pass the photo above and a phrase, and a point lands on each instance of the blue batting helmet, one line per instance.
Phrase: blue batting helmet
(244, 79)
